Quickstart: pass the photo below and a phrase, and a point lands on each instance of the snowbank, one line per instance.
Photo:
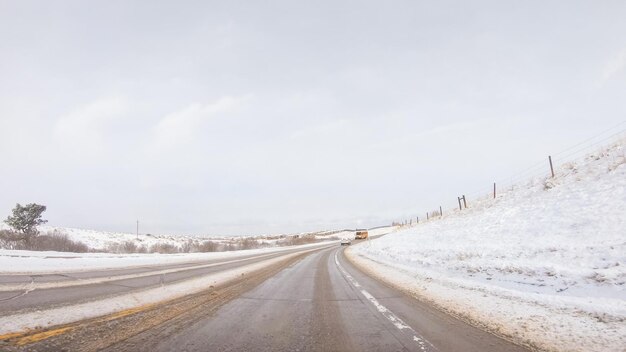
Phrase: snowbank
(544, 263)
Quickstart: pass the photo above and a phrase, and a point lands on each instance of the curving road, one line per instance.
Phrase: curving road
(23, 293)
(323, 303)
(317, 301)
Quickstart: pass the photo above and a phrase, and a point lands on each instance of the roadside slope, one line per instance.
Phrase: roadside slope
(544, 263)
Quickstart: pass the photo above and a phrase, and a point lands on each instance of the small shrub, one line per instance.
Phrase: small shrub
(296, 240)
(164, 248)
(188, 246)
(229, 247)
(128, 247)
(206, 246)
(9, 239)
(54, 241)
(249, 243)
(51, 241)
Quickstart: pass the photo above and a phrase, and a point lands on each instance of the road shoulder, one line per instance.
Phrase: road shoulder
(517, 319)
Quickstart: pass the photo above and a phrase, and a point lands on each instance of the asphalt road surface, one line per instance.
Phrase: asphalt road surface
(314, 302)
(73, 287)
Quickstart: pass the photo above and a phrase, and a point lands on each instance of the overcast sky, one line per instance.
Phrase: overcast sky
(239, 117)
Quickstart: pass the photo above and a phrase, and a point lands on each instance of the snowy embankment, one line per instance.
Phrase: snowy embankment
(544, 264)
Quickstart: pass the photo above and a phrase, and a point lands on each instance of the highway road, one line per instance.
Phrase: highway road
(311, 301)
(77, 287)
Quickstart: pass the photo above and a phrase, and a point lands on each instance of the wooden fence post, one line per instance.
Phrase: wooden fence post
(440, 211)
(459, 200)
(464, 202)
(551, 168)
(494, 190)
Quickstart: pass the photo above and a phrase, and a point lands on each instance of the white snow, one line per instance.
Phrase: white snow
(104, 240)
(31, 262)
(100, 240)
(544, 263)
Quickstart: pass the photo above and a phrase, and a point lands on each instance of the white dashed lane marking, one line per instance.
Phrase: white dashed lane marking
(422, 343)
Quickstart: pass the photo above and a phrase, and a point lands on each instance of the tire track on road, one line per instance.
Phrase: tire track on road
(102, 332)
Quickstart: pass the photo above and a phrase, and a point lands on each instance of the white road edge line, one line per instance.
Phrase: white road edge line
(424, 344)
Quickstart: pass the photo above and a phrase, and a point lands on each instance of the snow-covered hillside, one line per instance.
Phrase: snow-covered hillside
(109, 241)
(544, 263)
(103, 239)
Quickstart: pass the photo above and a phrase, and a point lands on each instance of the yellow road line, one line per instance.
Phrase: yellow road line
(28, 337)
(125, 312)
(41, 336)
(10, 336)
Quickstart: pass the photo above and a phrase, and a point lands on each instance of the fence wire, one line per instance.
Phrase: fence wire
(541, 169)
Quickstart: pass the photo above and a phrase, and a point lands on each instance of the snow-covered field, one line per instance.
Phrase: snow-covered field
(101, 240)
(21, 261)
(544, 263)
(106, 241)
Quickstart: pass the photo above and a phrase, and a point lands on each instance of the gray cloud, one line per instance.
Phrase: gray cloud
(251, 117)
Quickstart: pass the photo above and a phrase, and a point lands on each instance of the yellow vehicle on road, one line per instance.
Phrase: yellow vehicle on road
(361, 234)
